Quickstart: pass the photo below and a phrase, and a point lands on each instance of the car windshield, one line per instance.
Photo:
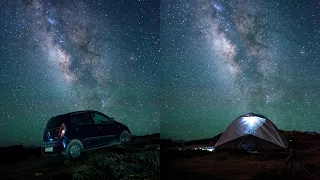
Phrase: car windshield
(55, 122)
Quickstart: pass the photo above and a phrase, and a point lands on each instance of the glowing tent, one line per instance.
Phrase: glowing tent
(251, 132)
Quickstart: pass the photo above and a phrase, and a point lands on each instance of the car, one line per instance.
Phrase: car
(69, 135)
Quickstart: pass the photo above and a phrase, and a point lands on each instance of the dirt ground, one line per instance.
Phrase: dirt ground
(198, 164)
(34, 166)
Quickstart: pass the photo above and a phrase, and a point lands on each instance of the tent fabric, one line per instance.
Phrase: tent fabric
(253, 130)
(249, 143)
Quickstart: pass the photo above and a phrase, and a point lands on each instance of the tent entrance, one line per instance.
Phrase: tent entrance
(249, 143)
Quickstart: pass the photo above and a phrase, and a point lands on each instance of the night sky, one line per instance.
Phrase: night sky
(221, 59)
(185, 68)
(60, 57)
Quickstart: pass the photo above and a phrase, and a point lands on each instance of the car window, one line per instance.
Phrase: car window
(98, 118)
(81, 118)
(56, 121)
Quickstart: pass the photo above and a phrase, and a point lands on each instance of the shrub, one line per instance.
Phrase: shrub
(138, 163)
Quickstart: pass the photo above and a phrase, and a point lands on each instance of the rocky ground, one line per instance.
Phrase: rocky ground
(182, 161)
(140, 161)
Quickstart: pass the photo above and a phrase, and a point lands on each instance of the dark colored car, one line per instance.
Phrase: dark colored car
(73, 133)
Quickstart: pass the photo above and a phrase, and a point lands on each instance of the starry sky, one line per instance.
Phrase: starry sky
(224, 58)
(57, 57)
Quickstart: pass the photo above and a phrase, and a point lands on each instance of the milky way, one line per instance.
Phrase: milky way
(236, 57)
(193, 65)
(240, 46)
(72, 46)
(58, 57)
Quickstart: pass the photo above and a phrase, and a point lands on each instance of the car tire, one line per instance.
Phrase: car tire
(73, 150)
(125, 139)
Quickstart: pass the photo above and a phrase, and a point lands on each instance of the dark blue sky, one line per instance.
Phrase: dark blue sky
(223, 59)
(184, 68)
(59, 57)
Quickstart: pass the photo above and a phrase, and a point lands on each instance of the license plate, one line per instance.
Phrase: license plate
(48, 149)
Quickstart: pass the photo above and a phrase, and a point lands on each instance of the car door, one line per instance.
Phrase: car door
(107, 129)
(85, 129)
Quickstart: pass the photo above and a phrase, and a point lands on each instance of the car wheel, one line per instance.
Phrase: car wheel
(74, 150)
(125, 139)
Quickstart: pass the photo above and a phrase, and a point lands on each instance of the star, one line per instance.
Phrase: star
(59, 57)
(235, 57)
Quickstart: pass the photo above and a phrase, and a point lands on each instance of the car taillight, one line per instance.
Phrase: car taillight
(62, 130)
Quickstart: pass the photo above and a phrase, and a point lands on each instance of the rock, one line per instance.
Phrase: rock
(38, 174)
